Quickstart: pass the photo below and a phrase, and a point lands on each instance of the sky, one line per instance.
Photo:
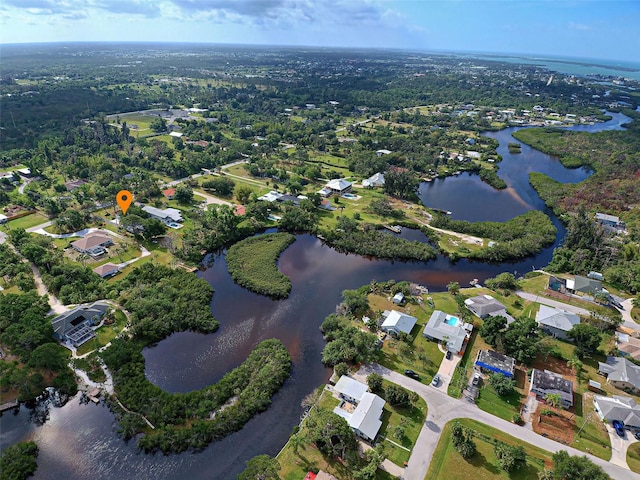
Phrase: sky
(600, 29)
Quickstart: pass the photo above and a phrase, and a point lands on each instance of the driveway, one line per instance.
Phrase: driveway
(619, 446)
(443, 408)
(553, 303)
(447, 367)
(627, 305)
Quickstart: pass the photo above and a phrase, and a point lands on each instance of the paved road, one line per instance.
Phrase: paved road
(553, 303)
(443, 408)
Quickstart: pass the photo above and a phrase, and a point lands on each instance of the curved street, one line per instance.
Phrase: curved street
(443, 408)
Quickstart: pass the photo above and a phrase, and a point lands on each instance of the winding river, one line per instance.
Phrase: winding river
(80, 441)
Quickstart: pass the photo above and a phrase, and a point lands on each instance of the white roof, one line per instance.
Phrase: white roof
(375, 179)
(272, 196)
(366, 417)
(556, 318)
(383, 151)
(399, 321)
(176, 134)
(338, 184)
(172, 213)
(350, 387)
(439, 329)
(571, 283)
(3, 217)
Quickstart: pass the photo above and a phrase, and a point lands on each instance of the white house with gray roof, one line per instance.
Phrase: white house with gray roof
(483, 306)
(555, 321)
(75, 325)
(167, 215)
(444, 327)
(398, 322)
(623, 409)
(621, 373)
(361, 409)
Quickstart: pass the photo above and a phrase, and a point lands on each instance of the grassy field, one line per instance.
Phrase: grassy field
(27, 221)
(447, 464)
(411, 419)
(633, 457)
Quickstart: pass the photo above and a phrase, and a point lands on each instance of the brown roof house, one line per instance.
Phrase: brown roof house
(93, 244)
(107, 270)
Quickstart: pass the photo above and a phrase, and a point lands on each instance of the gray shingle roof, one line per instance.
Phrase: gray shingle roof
(620, 369)
(556, 318)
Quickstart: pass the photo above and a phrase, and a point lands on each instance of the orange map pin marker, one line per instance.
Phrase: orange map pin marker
(124, 199)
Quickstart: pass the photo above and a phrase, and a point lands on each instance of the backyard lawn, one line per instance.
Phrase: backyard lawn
(484, 465)
(633, 457)
(27, 221)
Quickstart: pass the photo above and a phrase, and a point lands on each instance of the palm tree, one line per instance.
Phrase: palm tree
(453, 288)
(554, 400)
(575, 365)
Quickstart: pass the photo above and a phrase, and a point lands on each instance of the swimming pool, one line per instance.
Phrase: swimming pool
(451, 320)
(350, 195)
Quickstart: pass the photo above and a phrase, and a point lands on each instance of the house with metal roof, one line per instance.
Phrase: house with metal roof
(449, 329)
(584, 285)
(75, 325)
(621, 373)
(397, 322)
(545, 382)
(496, 362)
(337, 186)
(484, 305)
(375, 180)
(361, 409)
(168, 215)
(618, 407)
(555, 321)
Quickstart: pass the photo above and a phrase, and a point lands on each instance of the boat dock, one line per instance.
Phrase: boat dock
(394, 228)
(8, 405)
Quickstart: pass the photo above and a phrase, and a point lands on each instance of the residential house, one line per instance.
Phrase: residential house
(496, 362)
(337, 186)
(580, 284)
(627, 345)
(443, 327)
(610, 222)
(544, 382)
(382, 151)
(483, 306)
(361, 409)
(621, 373)
(375, 180)
(169, 193)
(93, 244)
(555, 321)
(75, 325)
(168, 215)
(270, 197)
(73, 184)
(3, 219)
(618, 407)
(397, 322)
(107, 270)
(176, 134)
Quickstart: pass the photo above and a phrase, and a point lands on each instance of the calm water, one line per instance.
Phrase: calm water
(80, 441)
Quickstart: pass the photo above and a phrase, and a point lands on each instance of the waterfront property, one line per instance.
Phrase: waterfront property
(360, 408)
(544, 383)
(555, 321)
(621, 373)
(488, 360)
(75, 325)
(449, 329)
(397, 322)
(618, 407)
(398, 298)
(167, 215)
(483, 306)
(610, 222)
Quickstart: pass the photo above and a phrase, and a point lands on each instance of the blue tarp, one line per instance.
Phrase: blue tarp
(494, 369)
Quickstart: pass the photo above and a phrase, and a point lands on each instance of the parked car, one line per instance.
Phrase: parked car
(448, 355)
(412, 374)
(619, 427)
(476, 380)
(436, 381)
(637, 435)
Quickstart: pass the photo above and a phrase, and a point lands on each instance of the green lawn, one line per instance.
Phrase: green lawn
(27, 221)
(447, 464)
(593, 438)
(633, 457)
(504, 407)
(105, 334)
(411, 419)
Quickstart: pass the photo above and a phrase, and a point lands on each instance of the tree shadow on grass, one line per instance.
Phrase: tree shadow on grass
(480, 461)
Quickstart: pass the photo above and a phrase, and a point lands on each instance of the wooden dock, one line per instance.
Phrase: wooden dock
(8, 405)
(394, 228)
